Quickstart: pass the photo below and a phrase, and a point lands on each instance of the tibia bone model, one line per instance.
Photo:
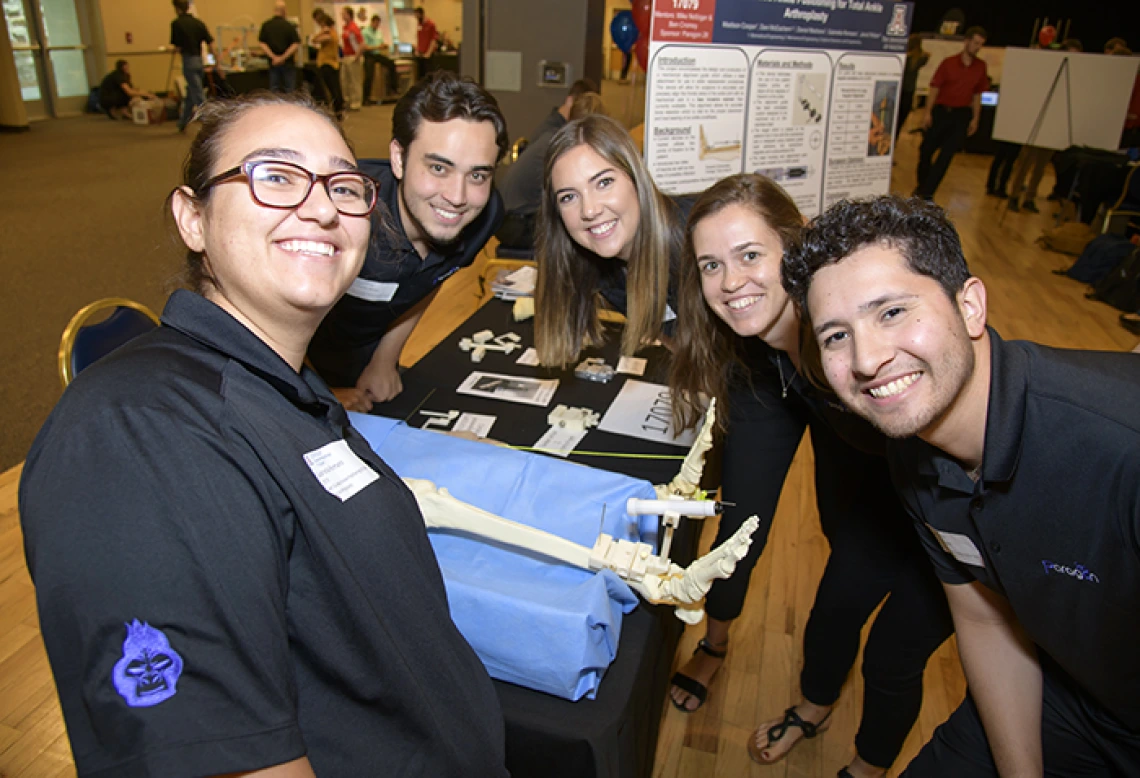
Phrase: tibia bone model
(655, 578)
(688, 480)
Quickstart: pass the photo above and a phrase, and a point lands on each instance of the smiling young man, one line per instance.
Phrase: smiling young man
(1021, 467)
(447, 136)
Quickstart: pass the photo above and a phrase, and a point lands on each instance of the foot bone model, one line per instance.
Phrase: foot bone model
(653, 576)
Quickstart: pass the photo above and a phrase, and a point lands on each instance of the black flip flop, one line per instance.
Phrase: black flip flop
(777, 731)
(691, 685)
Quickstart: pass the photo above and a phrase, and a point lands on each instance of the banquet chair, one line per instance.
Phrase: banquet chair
(84, 343)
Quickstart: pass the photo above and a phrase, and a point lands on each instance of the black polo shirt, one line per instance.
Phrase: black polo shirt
(1053, 523)
(278, 34)
(208, 606)
(553, 122)
(394, 278)
(188, 33)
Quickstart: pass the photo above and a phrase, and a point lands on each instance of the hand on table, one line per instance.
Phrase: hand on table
(380, 381)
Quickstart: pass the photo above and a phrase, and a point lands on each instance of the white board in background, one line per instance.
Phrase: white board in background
(407, 26)
(1095, 95)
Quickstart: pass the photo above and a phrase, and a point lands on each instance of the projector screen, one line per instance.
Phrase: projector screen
(1093, 94)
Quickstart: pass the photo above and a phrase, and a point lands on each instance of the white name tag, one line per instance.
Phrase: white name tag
(341, 472)
(373, 291)
(960, 547)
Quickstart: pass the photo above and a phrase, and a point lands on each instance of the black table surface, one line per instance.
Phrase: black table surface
(614, 734)
(430, 385)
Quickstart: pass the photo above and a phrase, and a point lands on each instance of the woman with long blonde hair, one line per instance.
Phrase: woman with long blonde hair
(603, 228)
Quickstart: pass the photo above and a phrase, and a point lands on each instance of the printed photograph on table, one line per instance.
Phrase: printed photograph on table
(529, 391)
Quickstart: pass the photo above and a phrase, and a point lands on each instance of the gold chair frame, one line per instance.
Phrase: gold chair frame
(67, 341)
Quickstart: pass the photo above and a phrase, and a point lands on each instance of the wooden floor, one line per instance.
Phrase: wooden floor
(759, 678)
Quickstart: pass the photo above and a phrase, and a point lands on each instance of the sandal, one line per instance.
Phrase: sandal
(776, 732)
(692, 686)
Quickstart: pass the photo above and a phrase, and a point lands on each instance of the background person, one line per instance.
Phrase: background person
(1019, 466)
(328, 62)
(916, 58)
(521, 182)
(603, 228)
(352, 62)
(734, 316)
(954, 107)
(211, 602)
(447, 136)
(375, 44)
(279, 41)
(188, 34)
(427, 40)
(117, 94)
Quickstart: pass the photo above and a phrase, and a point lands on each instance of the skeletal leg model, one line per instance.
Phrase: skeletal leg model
(686, 484)
(654, 577)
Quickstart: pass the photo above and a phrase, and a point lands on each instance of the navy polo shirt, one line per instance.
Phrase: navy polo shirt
(1053, 522)
(208, 605)
(394, 278)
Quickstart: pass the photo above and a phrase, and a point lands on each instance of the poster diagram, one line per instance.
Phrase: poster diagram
(698, 130)
(802, 91)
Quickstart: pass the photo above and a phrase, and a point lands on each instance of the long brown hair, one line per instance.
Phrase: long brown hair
(707, 354)
(568, 275)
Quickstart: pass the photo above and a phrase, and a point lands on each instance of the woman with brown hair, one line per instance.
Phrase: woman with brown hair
(328, 62)
(215, 548)
(603, 228)
(738, 339)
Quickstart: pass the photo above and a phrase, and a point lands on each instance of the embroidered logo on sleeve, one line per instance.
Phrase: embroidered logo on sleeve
(1080, 572)
(148, 672)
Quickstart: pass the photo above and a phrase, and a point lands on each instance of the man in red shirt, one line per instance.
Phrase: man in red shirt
(427, 39)
(352, 59)
(955, 103)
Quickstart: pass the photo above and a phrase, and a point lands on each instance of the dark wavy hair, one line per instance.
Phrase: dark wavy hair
(918, 229)
(216, 118)
(707, 354)
(441, 97)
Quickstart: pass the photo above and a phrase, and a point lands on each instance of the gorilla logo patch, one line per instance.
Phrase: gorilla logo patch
(148, 672)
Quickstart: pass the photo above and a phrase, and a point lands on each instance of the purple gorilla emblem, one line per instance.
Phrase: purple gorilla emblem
(148, 672)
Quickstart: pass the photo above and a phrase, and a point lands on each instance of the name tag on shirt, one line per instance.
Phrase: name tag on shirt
(341, 472)
(373, 291)
(959, 546)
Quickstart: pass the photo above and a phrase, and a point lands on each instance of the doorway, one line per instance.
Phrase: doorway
(48, 48)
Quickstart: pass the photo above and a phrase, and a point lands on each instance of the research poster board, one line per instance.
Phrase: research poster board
(803, 91)
(1057, 99)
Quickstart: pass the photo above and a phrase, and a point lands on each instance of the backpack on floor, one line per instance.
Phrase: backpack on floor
(1121, 287)
(1067, 238)
(1099, 258)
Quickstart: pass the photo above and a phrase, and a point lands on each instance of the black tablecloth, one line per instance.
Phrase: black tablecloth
(430, 385)
(614, 734)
